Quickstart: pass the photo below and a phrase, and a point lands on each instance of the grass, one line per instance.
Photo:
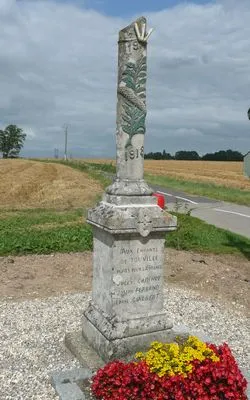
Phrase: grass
(48, 231)
(43, 232)
(194, 234)
(213, 191)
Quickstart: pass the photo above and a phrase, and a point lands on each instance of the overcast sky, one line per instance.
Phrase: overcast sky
(58, 64)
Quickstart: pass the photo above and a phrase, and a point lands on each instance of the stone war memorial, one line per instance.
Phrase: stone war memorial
(129, 228)
(125, 313)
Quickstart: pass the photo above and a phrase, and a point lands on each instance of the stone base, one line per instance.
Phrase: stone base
(68, 384)
(119, 327)
(104, 351)
(119, 337)
(125, 347)
(93, 350)
(85, 354)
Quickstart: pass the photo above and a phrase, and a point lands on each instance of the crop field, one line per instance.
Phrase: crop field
(28, 184)
(229, 174)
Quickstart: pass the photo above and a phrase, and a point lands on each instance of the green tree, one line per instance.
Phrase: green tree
(223, 155)
(11, 141)
(187, 155)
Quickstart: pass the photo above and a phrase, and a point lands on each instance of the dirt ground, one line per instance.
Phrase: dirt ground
(225, 278)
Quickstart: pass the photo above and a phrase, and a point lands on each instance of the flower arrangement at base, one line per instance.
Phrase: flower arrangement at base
(192, 370)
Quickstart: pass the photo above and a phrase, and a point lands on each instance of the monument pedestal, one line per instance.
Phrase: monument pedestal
(126, 311)
(113, 339)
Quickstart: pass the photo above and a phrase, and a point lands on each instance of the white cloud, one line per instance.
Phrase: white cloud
(58, 64)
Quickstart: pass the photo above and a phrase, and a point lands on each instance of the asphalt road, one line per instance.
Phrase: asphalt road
(233, 217)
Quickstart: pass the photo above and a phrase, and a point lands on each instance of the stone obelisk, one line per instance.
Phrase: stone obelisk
(129, 228)
(131, 111)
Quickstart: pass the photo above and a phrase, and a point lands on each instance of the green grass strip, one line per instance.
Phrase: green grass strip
(43, 232)
(194, 234)
(48, 231)
(213, 191)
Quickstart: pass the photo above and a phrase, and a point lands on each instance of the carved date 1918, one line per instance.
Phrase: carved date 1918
(132, 153)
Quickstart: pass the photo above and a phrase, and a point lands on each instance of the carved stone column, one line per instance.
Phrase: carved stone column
(131, 110)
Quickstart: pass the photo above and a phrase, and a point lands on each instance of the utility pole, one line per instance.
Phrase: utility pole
(56, 153)
(66, 142)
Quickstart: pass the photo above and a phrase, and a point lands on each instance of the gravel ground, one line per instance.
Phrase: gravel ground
(32, 335)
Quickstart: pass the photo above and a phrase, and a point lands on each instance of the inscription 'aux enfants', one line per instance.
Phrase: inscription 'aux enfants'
(139, 288)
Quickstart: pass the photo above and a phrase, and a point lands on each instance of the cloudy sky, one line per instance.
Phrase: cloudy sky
(58, 64)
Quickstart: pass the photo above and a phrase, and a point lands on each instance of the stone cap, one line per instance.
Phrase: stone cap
(142, 219)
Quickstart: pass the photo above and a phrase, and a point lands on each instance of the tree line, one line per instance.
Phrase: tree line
(221, 155)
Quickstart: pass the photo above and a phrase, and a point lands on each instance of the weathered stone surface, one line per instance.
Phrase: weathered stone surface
(124, 347)
(131, 111)
(126, 187)
(128, 274)
(118, 327)
(74, 375)
(93, 349)
(69, 391)
(246, 374)
(131, 218)
(83, 351)
(126, 200)
(129, 228)
(66, 383)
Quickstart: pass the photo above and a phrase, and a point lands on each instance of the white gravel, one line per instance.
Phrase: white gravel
(32, 334)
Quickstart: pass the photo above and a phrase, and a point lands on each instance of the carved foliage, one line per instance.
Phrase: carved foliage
(135, 76)
(134, 109)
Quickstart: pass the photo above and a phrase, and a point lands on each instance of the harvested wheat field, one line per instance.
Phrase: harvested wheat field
(228, 174)
(32, 184)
